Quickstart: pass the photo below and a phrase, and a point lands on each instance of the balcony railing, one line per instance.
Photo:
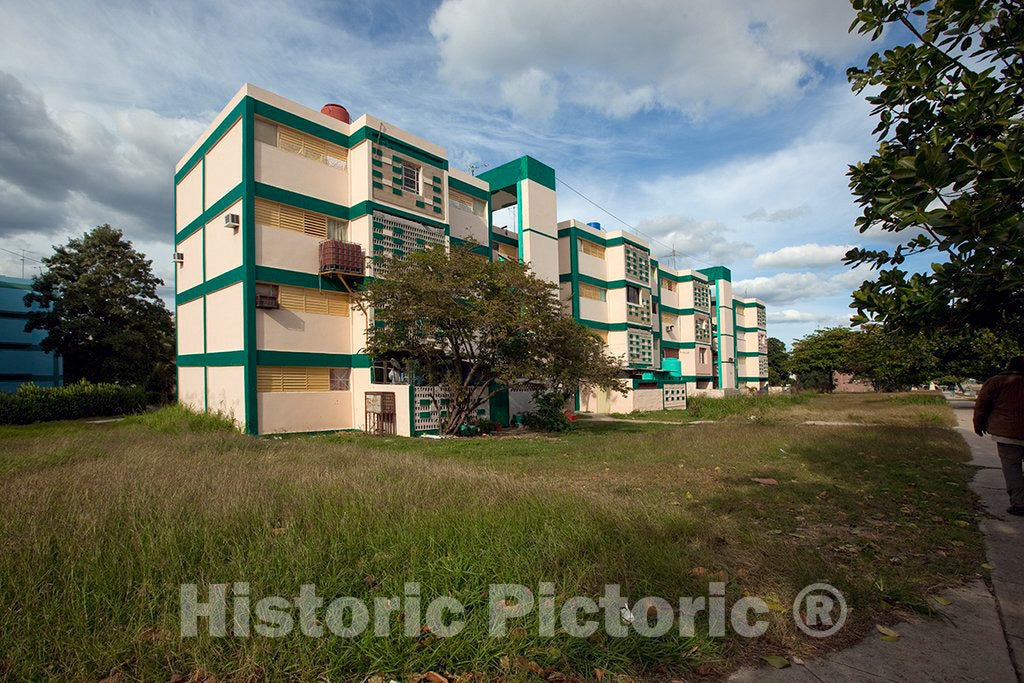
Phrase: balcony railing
(341, 258)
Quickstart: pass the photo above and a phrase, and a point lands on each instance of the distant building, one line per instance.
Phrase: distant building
(281, 210)
(21, 357)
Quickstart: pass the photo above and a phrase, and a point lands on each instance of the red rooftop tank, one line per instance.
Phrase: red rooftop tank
(336, 111)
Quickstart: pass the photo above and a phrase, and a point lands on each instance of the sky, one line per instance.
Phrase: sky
(720, 130)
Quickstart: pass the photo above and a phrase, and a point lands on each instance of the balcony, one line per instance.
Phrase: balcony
(341, 258)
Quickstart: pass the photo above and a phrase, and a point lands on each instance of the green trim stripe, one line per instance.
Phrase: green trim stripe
(219, 206)
(313, 360)
(249, 261)
(471, 190)
(225, 279)
(212, 139)
(573, 231)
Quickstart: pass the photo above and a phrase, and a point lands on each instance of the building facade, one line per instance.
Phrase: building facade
(22, 359)
(281, 211)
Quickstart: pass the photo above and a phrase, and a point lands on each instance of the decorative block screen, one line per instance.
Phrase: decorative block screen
(426, 413)
(395, 237)
(701, 296)
(641, 347)
(675, 395)
(638, 264)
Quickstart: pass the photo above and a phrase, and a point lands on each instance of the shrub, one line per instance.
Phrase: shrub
(84, 399)
(550, 414)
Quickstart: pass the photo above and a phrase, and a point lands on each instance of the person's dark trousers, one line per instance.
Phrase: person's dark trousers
(1012, 456)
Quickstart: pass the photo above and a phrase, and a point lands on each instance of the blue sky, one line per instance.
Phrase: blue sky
(721, 129)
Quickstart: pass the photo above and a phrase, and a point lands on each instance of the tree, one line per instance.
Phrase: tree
(467, 325)
(778, 363)
(890, 359)
(102, 313)
(949, 171)
(972, 355)
(816, 357)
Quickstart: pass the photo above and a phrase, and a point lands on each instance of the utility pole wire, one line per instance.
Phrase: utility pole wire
(635, 229)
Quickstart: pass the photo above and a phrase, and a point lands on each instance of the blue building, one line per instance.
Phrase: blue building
(21, 357)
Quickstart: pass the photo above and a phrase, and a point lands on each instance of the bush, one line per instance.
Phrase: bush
(550, 414)
(84, 399)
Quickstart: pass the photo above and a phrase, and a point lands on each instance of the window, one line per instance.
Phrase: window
(272, 379)
(339, 379)
(388, 372)
(410, 178)
(592, 292)
(703, 355)
(463, 202)
(300, 143)
(654, 306)
(670, 285)
(591, 249)
(632, 294)
(303, 300)
(276, 215)
(337, 229)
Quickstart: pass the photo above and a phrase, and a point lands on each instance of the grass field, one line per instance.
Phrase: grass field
(103, 522)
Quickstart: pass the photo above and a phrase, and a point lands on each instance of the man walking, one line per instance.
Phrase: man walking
(999, 411)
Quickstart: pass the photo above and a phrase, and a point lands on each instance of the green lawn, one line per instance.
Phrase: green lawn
(102, 523)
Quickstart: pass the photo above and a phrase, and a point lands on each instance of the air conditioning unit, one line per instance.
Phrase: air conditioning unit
(231, 221)
(178, 257)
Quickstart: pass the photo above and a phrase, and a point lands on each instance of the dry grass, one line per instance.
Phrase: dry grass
(103, 523)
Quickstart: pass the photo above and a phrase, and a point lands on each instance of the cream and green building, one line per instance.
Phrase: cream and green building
(281, 211)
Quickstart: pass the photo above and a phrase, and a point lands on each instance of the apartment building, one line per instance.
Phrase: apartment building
(281, 212)
(22, 359)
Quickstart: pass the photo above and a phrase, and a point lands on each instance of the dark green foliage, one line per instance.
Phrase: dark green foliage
(82, 399)
(889, 358)
(103, 314)
(472, 326)
(815, 357)
(948, 174)
(550, 414)
(778, 362)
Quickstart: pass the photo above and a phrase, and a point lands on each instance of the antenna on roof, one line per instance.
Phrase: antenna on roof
(473, 168)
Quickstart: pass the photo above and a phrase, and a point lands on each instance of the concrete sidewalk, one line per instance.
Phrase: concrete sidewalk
(982, 638)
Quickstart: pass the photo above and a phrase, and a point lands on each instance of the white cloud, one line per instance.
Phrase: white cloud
(620, 58)
(789, 316)
(803, 256)
(787, 288)
(701, 240)
(778, 215)
(784, 288)
(531, 92)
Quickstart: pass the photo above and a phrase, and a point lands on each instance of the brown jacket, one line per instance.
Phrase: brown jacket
(999, 408)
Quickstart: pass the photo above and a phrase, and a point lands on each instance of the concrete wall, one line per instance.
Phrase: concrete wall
(223, 245)
(224, 323)
(224, 165)
(225, 391)
(308, 411)
(289, 171)
(190, 272)
(190, 327)
(192, 387)
(189, 198)
(287, 249)
(285, 330)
